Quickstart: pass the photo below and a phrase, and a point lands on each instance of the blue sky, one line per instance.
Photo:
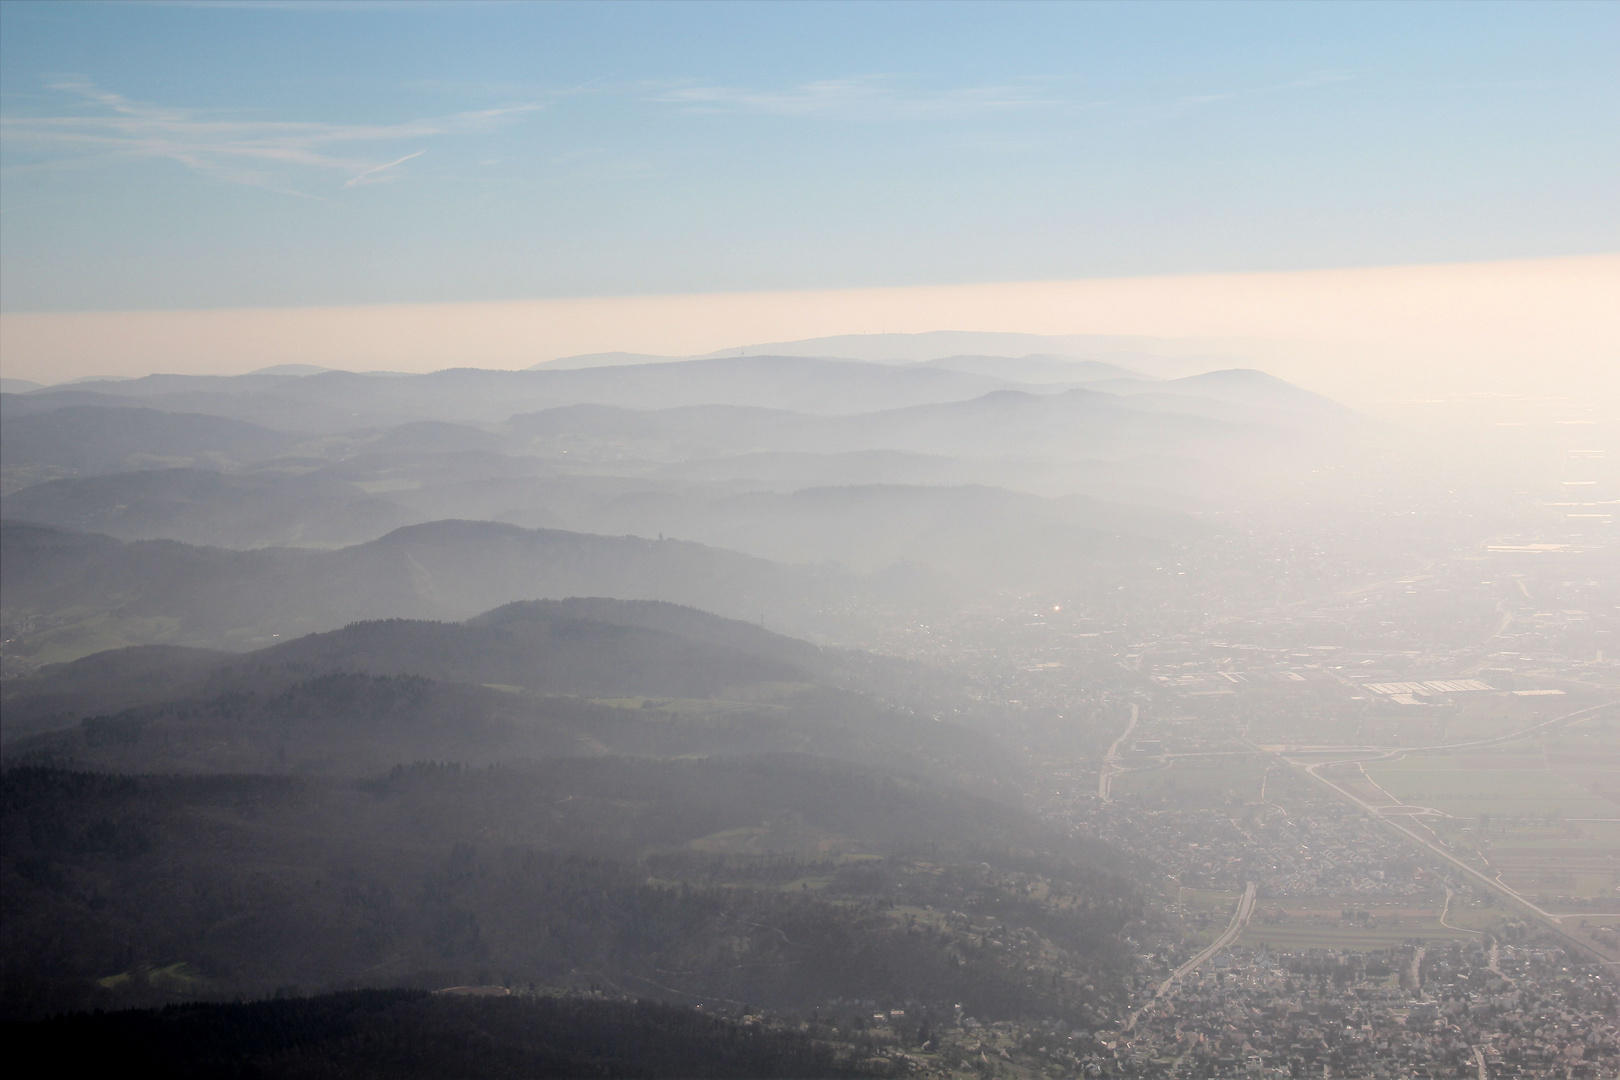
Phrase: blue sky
(222, 155)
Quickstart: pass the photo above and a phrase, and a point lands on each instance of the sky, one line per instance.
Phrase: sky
(182, 156)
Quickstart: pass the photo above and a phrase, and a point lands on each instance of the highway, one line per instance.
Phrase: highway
(1553, 921)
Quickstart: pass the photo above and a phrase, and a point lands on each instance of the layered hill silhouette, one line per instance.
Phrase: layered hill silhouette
(205, 506)
(649, 843)
(1065, 425)
(84, 440)
(68, 594)
(806, 384)
(527, 680)
(972, 531)
(332, 402)
(317, 679)
(589, 646)
(477, 444)
(864, 524)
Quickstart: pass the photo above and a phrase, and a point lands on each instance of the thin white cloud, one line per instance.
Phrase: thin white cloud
(1194, 101)
(371, 175)
(278, 155)
(870, 97)
(887, 98)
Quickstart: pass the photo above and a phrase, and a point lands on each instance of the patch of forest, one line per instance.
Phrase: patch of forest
(406, 1034)
(66, 594)
(783, 881)
(356, 724)
(527, 680)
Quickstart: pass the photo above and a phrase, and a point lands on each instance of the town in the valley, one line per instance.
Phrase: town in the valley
(1392, 852)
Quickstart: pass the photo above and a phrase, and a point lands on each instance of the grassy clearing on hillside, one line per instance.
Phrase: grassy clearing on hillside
(174, 978)
(78, 632)
(743, 700)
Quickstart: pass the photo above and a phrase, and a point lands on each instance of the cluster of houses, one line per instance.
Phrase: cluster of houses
(1313, 848)
(1459, 1010)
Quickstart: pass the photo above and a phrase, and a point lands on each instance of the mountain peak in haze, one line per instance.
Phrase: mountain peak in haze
(1250, 386)
(1158, 357)
(602, 359)
(292, 369)
(1035, 368)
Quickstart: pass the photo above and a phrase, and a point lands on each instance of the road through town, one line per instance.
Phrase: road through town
(1111, 766)
(1240, 919)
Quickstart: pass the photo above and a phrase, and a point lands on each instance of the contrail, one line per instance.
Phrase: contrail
(373, 171)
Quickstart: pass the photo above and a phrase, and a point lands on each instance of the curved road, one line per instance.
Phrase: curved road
(1111, 766)
(1240, 919)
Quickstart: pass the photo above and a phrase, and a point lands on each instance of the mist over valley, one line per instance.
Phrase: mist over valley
(736, 540)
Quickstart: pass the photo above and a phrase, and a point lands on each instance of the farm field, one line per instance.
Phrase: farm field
(1457, 786)
(1460, 719)
(1497, 715)
(1320, 922)
(1544, 813)
(1588, 754)
(1568, 863)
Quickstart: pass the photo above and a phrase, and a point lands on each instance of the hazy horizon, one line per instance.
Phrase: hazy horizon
(1367, 335)
(1013, 541)
(1365, 194)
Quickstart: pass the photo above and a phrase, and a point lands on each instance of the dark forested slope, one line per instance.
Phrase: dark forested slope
(783, 881)
(415, 1035)
(531, 679)
(68, 594)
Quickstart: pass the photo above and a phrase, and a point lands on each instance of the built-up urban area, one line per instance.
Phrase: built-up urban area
(1383, 813)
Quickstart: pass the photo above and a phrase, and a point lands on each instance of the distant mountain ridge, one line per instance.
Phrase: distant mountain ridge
(1058, 424)
(333, 400)
(863, 524)
(1165, 357)
(255, 509)
(82, 440)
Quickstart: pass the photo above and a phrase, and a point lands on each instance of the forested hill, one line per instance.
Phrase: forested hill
(783, 880)
(69, 594)
(580, 645)
(415, 1035)
(543, 650)
(528, 680)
